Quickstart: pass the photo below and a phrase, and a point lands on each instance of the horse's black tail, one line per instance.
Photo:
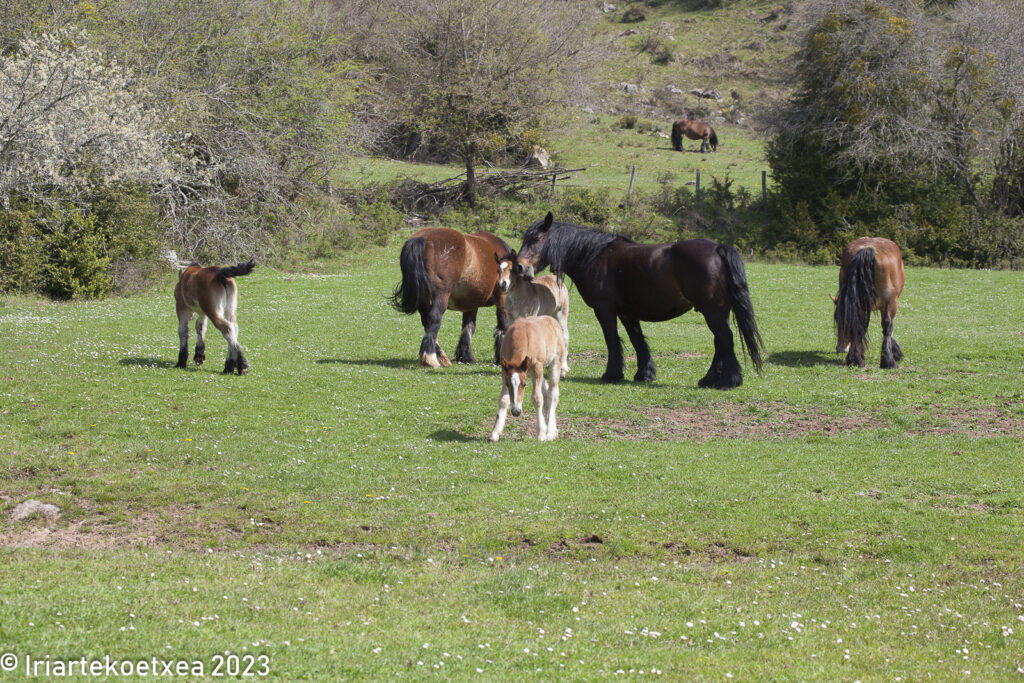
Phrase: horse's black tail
(414, 287)
(742, 307)
(856, 296)
(236, 271)
(677, 138)
(713, 140)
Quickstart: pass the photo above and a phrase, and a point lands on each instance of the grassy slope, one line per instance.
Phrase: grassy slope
(350, 502)
(608, 152)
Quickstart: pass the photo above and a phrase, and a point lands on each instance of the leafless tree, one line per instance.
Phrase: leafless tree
(471, 75)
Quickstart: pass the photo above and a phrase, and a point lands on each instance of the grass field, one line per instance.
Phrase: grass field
(339, 510)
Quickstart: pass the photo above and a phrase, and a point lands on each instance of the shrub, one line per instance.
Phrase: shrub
(75, 263)
(628, 121)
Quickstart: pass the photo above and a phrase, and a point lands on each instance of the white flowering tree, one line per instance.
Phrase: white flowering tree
(70, 120)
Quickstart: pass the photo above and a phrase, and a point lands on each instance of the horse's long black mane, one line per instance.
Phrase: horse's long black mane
(571, 248)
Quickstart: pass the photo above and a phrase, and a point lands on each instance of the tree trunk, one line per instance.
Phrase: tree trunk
(470, 191)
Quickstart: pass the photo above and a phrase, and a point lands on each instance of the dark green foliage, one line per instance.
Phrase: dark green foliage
(75, 263)
(65, 252)
(20, 252)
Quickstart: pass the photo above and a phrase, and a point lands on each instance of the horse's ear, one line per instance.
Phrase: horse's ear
(834, 299)
(548, 220)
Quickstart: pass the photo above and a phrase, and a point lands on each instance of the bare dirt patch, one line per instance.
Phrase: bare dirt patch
(715, 552)
(175, 525)
(566, 544)
(974, 422)
(754, 421)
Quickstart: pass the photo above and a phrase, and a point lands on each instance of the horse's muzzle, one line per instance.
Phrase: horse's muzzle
(525, 272)
(516, 411)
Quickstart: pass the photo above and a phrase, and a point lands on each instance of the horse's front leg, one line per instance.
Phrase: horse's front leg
(464, 349)
(539, 391)
(644, 363)
(431, 354)
(501, 326)
(609, 327)
(551, 401)
(499, 419)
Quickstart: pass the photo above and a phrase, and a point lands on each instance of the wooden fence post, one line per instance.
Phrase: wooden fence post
(632, 176)
(698, 182)
(764, 188)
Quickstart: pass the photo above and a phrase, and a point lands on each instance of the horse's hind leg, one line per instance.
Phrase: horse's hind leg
(235, 360)
(431, 354)
(184, 316)
(200, 339)
(891, 351)
(644, 363)
(464, 350)
(724, 372)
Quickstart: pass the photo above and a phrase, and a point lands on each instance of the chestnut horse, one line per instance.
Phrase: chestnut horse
(870, 279)
(622, 279)
(545, 295)
(531, 345)
(211, 294)
(443, 269)
(694, 130)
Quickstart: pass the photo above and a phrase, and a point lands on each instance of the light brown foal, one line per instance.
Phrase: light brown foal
(211, 294)
(531, 345)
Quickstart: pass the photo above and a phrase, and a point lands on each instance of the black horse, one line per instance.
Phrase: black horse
(622, 279)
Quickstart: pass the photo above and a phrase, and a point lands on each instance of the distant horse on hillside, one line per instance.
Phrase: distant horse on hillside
(545, 295)
(531, 345)
(622, 279)
(870, 279)
(443, 269)
(212, 294)
(694, 130)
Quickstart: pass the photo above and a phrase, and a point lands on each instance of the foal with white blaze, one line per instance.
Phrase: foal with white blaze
(531, 345)
(546, 295)
(210, 293)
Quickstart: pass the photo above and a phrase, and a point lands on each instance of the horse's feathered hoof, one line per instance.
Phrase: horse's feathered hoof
(611, 378)
(443, 359)
(199, 359)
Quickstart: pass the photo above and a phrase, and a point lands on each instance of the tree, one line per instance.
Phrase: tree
(472, 75)
(69, 121)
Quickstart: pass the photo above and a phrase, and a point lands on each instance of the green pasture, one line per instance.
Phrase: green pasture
(608, 152)
(340, 511)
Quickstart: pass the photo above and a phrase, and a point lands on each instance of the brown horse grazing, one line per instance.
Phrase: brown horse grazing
(545, 295)
(694, 130)
(531, 345)
(210, 293)
(444, 269)
(870, 279)
(632, 282)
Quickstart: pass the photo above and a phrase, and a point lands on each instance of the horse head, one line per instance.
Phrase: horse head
(533, 254)
(514, 377)
(505, 266)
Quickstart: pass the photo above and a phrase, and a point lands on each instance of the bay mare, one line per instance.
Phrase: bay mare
(871, 278)
(694, 130)
(621, 279)
(443, 269)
